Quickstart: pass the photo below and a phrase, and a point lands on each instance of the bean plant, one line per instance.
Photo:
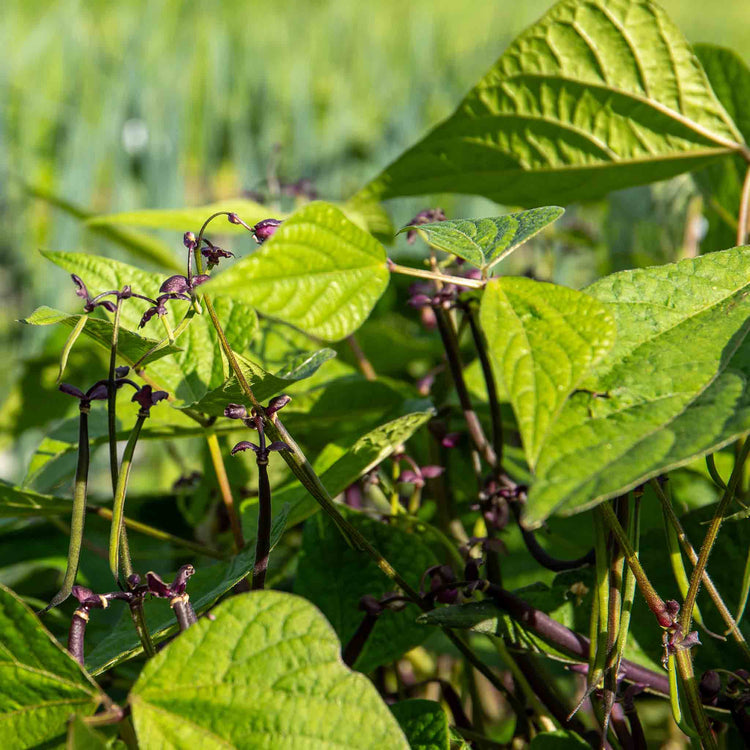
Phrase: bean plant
(413, 504)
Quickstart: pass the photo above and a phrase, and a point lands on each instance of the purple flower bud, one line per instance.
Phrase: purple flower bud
(125, 293)
(98, 392)
(420, 300)
(411, 477)
(147, 316)
(180, 582)
(147, 397)
(175, 285)
(122, 372)
(265, 229)
(451, 440)
(430, 472)
(81, 290)
(244, 445)
(427, 216)
(277, 403)
(235, 411)
(189, 240)
(71, 390)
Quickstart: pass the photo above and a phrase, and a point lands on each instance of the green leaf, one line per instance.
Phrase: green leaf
(83, 737)
(543, 339)
(485, 242)
(205, 587)
(41, 685)
(721, 182)
(199, 365)
(673, 388)
(366, 453)
(264, 384)
(185, 219)
(131, 347)
(141, 245)
(596, 96)
(353, 576)
(18, 503)
(319, 272)
(424, 723)
(266, 673)
(562, 739)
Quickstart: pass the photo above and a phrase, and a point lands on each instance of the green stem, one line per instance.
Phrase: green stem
(693, 557)
(714, 473)
(433, 276)
(112, 398)
(116, 529)
(189, 315)
(693, 699)
(708, 542)
(629, 583)
(224, 487)
(79, 512)
(138, 616)
(653, 600)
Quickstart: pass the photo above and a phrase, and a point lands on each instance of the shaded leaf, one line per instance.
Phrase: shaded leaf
(596, 96)
(266, 673)
(205, 587)
(41, 685)
(485, 242)
(673, 388)
(562, 739)
(83, 737)
(353, 576)
(319, 272)
(17, 503)
(424, 723)
(543, 339)
(131, 347)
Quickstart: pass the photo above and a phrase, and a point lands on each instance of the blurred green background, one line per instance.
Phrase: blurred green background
(151, 104)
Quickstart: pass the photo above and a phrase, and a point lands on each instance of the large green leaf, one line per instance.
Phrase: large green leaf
(199, 365)
(485, 242)
(595, 96)
(41, 685)
(205, 587)
(319, 272)
(366, 453)
(131, 347)
(673, 388)
(543, 339)
(185, 219)
(353, 576)
(424, 723)
(721, 182)
(266, 673)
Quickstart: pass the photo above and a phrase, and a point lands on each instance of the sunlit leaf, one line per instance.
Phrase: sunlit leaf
(596, 96)
(318, 272)
(485, 242)
(266, 673)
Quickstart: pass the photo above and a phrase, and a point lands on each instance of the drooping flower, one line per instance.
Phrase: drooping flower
(265, 229)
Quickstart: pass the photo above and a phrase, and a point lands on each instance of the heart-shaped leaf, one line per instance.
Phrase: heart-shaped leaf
(485, 242)
(41, 685)
(673, 388)
(543, 340)
(266, 673)
(596, 96)
(318, 272)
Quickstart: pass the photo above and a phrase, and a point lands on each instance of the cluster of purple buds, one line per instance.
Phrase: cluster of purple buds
(417, 474)
(443, 583)
(175, 287)
(99, 300)
(428, 216)
(176, 593)
(255, 422)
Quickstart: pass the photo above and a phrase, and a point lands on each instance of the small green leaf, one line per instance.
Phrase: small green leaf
(543, 339)
(266, 673)
(205, 587)
(131, 346)
(83, 737)
(562, 739)
(319, 272)
(485, 242)
(41, 685)
(264, 384)
(424, 723)
(596, 96)
(353, 576)
(17, 503)
(366, 453)
(190, 219)
(672, 389)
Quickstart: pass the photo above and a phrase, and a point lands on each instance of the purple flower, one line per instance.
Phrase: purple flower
(418, 474)
(265, 229)
(427, 216)
(235, 411)
(175, 285)
(277, 403)
(93, 302)
(147, 397)
(157, 587)
(97, 392)
(213, 254)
